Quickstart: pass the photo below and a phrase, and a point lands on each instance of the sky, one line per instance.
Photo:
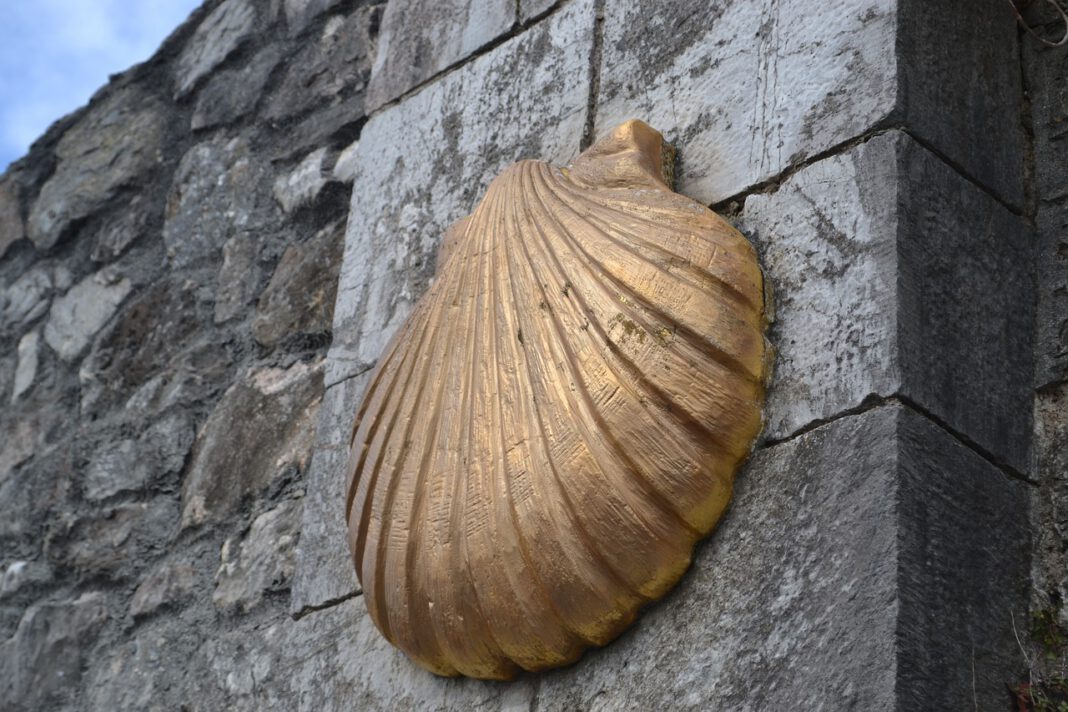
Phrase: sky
(54, 54)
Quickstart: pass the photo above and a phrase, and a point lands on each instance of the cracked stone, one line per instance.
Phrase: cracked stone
(133, 464)
(218, 36)
(166, 584)
(261, 562)
(303, 184)
(26, 370)
(80, 313)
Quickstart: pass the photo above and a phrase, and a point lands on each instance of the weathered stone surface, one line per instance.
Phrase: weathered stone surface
(301, 12)
(223, 31)
(151, 331)
(1050, 500)
(262, 561)
(42, 664)
(893, 275)
(27, 297)
(26, 370)
(109, 541)
(121, 230)
(146, 674)
(960, 87)
(78, 315)
(745, 88)
(118, 140)
(420, 39)
(166, 584)
(345, 166)
(303, 184)
(134, 464)
(239, 277)
(18, 574)
(233, 93)
(17, 446)
(529, 9)
(11, 224)
(299, 299)
(284, 667)
(324, 570)
(332, 68)
(827, 239)
(423, 163)
(262, 426)
(860, 566)
(336, 126)
(219, 189)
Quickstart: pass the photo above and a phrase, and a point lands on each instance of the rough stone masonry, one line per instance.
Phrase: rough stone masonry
(199, 269)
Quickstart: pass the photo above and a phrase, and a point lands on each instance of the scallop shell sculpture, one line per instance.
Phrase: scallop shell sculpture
(561, 417)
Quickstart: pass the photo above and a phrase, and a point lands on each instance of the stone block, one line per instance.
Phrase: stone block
(116, 141)
(78, 315)
(299, 299)
(221, 188)
(423, 164)
(239, 277)
(166, 584)
(419, 39)
(960, 87)
(324, 569)
(228, 26)
(260, 562)
(299, 13)
(12, 228)
(131, 465)
(262, 427)
(302, 185)
(41, 665)
(26, 370)
(27, 298)
(121, 230)
(746, 88)
(330, 68)
(232, 93)
(895, 276)
(869, 564)
(529, 9)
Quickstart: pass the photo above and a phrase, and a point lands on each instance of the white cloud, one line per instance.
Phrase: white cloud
(54, 54)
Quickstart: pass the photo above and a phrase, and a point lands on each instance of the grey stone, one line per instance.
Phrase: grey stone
(861, 566)
(62, 278)
(1050, 500)
(78, 315)
(121, 230)
(26, 370)
(153, 335)
(299, 13)
(419, 39)
(220, 34)
(17, 446)
(894, 276)
(303, 184)
(299, 299)
(143, 675)
(18, 574)
(261, 562)
(42, 663)
(189, 379)
(345, 166)
(220, 189)
(423, 163)
(111, 541)
(335, 125)
(27, 298)
(330, 69)
(263, 425)
(166, 584)
(233, 93)
(133, 464)
(119, 139)
(960, 87)
(12, 228)
(746, 89)
(239, 277)
(529, 9)
(324, 570)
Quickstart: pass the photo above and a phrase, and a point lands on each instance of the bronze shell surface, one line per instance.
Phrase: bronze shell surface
(560, 418)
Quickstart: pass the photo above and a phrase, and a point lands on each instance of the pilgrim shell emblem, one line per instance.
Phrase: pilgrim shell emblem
(561, 417)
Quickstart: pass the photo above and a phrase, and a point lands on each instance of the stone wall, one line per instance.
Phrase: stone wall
(199, 270)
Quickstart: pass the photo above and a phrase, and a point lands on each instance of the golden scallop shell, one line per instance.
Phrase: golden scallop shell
(560, 418)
